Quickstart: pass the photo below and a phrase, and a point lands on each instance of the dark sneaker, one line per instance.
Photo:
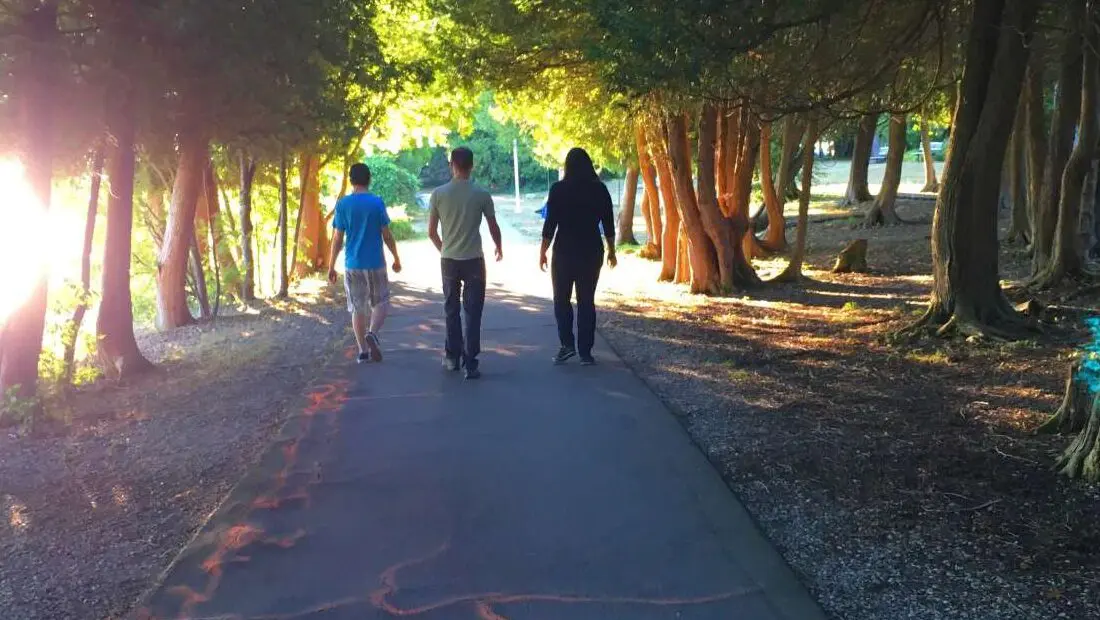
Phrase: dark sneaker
(564, 355)
(588, 360)
(450, 365)
(473, 374)
(375, 347)
(364, 358)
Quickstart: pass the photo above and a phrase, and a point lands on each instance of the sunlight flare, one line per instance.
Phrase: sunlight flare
(22, 254)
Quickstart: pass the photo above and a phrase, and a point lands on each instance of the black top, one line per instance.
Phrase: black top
(574, 212)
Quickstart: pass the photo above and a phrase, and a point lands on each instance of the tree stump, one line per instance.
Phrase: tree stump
(853, 259)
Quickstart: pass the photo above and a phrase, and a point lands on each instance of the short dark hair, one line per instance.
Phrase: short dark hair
(359, 175)
(462, 158)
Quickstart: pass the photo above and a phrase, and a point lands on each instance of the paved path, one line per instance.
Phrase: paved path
(536, 493)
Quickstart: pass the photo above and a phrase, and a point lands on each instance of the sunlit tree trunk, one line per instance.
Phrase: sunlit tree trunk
(966, 295)
(21, 335)
(116, 346)
(282, 279)
(72, 332)
(789, 158)
(858, 190)
(705, 276)
(683, 260)
(931, 183)
(793, 272)
(626, 213)
(315, 251)
(775, 238)
(654, 227)
(172, 308)
(248, 262)
(883, 212)
(671, 229)
(198, 275)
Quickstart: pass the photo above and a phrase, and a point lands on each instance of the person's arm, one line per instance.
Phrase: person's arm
(607, 218)
(549, 227)
(337, 246)
(494, 228)
(391, 243)
(433, 224)
(338, 226)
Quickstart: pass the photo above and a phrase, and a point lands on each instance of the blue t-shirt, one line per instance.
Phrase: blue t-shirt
(362, 217)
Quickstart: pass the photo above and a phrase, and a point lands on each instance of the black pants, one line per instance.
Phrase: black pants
(464, 290)
(581, 273)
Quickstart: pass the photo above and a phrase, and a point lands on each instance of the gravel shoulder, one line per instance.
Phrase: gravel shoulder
(898, 481)
(91, 515)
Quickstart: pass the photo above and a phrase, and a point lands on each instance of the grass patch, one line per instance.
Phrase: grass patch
(932, 358)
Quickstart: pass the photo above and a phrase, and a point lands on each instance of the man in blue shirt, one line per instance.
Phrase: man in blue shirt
(362, 221)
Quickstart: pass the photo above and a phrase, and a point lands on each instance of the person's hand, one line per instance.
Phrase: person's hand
(397, 265)
(542, 261)
(500, 253)
(612, 260)
(332, 277)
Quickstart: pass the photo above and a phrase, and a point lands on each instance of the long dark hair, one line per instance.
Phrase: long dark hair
(579, 167)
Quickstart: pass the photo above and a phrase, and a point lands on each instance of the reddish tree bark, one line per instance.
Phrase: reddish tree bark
(793, 272)
(654, 227)
(775, 238)
(172, 308)
(705, 273)
(116, 346)
(671, 229)
(21, 335)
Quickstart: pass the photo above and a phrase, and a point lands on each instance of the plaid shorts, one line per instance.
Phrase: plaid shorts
(366, 289)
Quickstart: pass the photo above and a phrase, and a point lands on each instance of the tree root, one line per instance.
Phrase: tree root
(1073, 415)
(852, 258)
(1001, 324)
(1082, 458)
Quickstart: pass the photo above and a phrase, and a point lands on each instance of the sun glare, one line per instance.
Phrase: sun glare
(22, 255)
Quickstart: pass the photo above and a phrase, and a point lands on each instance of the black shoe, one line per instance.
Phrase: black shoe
(450, 365)
(364, 358)
(564, 355)
(588, 360)
(473, 374)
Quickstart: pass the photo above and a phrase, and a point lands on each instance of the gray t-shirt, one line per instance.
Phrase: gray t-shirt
(460, 206)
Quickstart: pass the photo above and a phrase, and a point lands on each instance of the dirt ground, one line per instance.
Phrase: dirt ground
(899, 481)
(90, 514)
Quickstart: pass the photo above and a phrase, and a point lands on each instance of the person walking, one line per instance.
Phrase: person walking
(577, 212)
(459, 208)
(361, 219)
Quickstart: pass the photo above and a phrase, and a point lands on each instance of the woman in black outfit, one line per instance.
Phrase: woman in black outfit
(578, 206)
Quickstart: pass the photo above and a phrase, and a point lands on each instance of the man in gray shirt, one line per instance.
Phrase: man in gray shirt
(458, 208)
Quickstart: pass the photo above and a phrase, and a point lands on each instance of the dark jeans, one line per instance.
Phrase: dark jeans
(582, 274)
(464, 290)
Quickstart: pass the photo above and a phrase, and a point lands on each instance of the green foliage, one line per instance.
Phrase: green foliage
(491, 141)
(403, 230)
(395, 185)
(16, 411)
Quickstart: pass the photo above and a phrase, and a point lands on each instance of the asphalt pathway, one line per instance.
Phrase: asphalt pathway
(539, 492)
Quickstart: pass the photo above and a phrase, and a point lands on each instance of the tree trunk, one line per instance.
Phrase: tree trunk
(1086, 227)
(1067, 258)
(117, 348)
(1016, 173)
(248, 263)
(931, 184)
(705, 276)
(683, 257)
(282, 281)
(198, 276)
(741, 188)
(315, 253)
(858, 191)
(72, 332)
(1060, 142)
(775, 239)
(626, 214)
(883, 212)
(172, 309)
(726, 233)
(1036, 146)
(652, 203)
(671, 231)
(793, 272)
(211, 207)
(789, 159)
(21, 334)
(966, 296)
